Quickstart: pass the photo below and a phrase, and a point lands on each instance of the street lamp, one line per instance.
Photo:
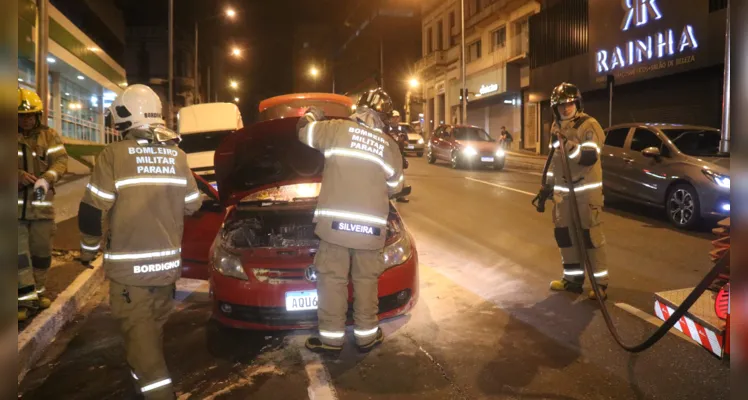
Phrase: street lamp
(236, 52)
(230, 12)
(314, 72)
(413, 82)
(236, 99)
(234, 84)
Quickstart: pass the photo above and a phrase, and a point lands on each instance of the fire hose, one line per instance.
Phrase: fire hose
(577, 231)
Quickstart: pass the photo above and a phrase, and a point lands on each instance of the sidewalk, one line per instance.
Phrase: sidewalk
(525, 160)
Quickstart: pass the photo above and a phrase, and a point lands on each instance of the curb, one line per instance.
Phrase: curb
(35, 339)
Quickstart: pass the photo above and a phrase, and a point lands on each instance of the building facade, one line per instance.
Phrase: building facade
(655, 61)
(497, 64)
(85, 76)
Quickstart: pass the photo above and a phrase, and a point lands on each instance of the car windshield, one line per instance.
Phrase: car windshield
(405, 129)
(474, 134)
(696, 142)
(198, 142)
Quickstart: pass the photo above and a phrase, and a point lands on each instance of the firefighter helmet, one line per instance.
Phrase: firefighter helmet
(566, 93)
(29, 102)
(137, 107)
(377, 100)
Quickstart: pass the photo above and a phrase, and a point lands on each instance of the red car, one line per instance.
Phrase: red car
(254, 241)
(465, 146)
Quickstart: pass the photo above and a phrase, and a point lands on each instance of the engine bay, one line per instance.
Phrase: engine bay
(271, 228)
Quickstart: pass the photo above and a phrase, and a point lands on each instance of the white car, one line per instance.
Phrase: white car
(202, 127)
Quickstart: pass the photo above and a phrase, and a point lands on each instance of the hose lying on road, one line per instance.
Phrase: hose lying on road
(658, 334)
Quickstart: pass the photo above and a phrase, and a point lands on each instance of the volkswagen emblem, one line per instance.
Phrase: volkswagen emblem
(310, 273)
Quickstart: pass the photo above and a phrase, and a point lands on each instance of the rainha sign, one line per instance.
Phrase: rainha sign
(641, 39)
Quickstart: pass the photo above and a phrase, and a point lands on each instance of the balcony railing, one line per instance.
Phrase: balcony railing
(519, 45)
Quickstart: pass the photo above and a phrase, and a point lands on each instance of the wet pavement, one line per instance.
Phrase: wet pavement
(485, 327)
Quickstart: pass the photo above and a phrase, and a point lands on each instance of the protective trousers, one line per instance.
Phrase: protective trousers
(34, 254)
(334, 265)
(142, 312)
(594, 240)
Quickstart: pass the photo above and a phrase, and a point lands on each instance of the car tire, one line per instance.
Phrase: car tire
(682, 206)
(430, 158)
(455, 160)
(419, 154)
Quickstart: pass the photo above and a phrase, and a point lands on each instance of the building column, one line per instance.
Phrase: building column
(486, 119)
(437, 109)
(56, 105)
(447, 107)
(427, 117)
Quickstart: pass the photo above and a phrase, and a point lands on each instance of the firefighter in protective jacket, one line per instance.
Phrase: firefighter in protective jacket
(42, 160)
(583, 139)
(363, 168)
(145, 187)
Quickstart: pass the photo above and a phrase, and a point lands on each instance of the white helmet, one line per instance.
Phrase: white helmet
(395, 113)
(137, 107)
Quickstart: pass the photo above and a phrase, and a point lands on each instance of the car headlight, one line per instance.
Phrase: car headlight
(228, 264)
(719, 179)
(420, 141)
(469, 151)
(398, 252)
(500, 153)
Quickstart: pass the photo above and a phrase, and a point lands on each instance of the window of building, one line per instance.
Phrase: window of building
(616, 137)
(452, 20)
(474, 7)
(474, 51)
(498, 38)
(440, 35)
(429, 40)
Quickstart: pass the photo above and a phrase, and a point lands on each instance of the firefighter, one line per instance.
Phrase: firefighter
(363, 168)
(42, 160)
(145, 187)
(582, 137)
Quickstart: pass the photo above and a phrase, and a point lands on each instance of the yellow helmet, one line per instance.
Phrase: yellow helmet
(29, 102)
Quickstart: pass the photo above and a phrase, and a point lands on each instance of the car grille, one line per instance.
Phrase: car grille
(278, 316)
(413, 141)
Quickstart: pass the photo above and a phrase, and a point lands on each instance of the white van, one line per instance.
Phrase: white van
(202, 128)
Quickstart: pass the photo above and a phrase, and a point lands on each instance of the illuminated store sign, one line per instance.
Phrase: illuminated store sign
(658, 45)
(485, 89)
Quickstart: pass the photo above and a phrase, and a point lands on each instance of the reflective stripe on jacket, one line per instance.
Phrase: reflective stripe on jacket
(42, 154)
(584, 141)
(146, 190)
(363, 167)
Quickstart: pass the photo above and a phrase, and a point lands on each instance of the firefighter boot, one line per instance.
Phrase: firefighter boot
(603, 292)
(40, 277)
(564, 285)
(316, 345)
(23, 314)
(365, 348)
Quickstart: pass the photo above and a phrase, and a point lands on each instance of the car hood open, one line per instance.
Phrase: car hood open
(263, 155)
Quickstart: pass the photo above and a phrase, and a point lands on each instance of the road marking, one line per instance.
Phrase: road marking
(653, 320)
(500, 186)
(521, 171)
(320, 383)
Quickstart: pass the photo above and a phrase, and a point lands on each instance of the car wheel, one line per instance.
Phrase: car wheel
(430, 158)
(419, 154)
(455, 160)
(683, 206)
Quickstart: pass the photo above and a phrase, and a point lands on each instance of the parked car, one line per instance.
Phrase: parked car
(676, 167)
(415, 143)
(465, 146)
(254, 239)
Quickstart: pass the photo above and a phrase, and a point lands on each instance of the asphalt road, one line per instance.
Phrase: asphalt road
(486, 326)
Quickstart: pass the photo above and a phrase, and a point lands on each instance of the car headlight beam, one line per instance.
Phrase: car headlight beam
(719, 179)
(420, 141)
(469, 151)
(500, 153)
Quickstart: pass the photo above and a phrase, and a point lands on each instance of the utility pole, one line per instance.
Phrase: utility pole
(207, 95)
(724, 143)
(170, 106)
(42, 69)
(381, 62)
(463, 91)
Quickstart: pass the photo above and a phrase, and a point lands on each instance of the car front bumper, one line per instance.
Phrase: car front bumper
(714, 202)
(261, 306)
(414, 148)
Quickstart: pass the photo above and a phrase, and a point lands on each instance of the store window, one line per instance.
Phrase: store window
(80, 111)
(474, 51)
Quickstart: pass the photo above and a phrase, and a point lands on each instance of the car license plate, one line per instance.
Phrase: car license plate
(300, 301)
(410, 146)
(486, 159)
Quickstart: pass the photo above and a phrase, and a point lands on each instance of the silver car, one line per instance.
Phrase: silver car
(415, 144)
(676, 167)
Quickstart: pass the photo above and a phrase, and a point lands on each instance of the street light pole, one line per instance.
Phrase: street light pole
(463, 91)
(42, 68)
(170, 105)
(197, 80)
